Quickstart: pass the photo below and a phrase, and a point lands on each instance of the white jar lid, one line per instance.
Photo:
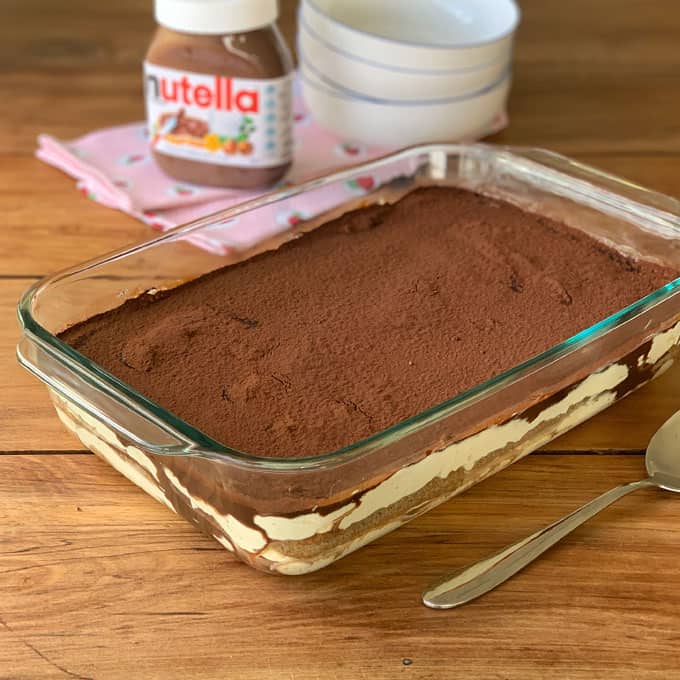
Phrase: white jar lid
(216, 16)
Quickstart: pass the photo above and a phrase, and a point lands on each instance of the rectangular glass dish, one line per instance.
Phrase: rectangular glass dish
(296, 515)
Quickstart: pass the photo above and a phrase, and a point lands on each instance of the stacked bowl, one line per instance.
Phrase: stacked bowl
(400, 72)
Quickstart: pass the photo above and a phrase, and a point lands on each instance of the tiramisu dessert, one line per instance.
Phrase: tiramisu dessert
(369, 320)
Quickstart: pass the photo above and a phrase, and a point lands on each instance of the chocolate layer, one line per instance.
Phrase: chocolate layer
(364, 322)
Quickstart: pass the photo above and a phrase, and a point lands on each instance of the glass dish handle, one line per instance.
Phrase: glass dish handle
(88, 394)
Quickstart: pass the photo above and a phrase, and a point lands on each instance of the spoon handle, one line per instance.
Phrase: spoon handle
(466, 584)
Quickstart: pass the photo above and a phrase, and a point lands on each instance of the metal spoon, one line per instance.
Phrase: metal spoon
(663, 467)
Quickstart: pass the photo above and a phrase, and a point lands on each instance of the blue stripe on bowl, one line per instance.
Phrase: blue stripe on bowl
(341, 92)
(306, 28)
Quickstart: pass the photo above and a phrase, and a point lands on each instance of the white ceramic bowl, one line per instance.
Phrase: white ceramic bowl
(399, 124)
(434, 35)
(387, 82)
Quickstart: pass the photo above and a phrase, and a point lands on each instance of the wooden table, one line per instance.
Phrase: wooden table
(97, 580)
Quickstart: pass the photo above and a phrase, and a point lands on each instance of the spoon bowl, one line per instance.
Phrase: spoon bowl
(663, 455)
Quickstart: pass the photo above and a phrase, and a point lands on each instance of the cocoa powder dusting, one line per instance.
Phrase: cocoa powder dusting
(366, 321)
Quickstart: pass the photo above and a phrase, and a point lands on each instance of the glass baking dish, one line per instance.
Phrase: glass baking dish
(293, 516)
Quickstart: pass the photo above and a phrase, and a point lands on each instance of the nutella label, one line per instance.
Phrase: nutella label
(218, 119)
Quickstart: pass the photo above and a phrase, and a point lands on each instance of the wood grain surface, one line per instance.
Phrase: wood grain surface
(103, 582)
(97, 580)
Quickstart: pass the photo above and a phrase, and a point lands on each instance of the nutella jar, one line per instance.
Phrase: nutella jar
(217, 81)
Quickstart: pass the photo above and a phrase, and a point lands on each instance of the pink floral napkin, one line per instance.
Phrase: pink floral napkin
(113, 166)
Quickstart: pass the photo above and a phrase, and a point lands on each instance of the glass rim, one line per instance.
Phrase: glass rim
(201, 444)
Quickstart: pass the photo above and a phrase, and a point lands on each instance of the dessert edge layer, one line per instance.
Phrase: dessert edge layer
(307, 541)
